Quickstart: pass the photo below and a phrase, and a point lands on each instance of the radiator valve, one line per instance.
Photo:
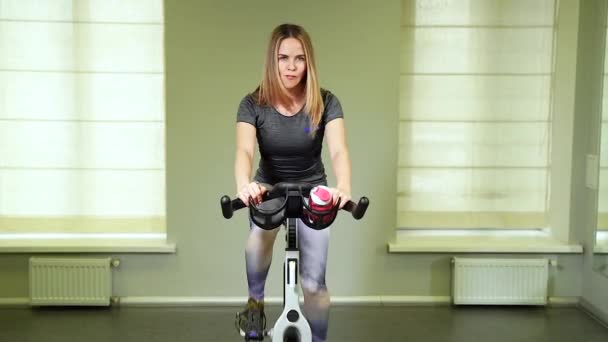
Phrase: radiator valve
(115, 263)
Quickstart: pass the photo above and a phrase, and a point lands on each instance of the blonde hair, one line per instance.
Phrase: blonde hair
(271, 89)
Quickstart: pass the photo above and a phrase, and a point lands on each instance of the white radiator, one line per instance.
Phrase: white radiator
(500, 281)
(70, 281)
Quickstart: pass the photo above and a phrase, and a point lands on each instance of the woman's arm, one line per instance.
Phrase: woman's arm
(336, 141)
(243, 163)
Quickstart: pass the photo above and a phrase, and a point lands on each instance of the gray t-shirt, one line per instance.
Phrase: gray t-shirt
(288, 152)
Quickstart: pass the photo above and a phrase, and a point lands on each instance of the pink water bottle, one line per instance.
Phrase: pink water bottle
(320, 200)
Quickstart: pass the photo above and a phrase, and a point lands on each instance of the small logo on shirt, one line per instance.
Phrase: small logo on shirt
(307, 129)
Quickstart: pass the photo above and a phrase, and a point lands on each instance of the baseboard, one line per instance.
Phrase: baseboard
(335, 301)
(238, 301)
(593, 311)
(563, 301)
(14, 302)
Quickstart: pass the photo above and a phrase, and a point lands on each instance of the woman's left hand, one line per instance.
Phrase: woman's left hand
(340, 194)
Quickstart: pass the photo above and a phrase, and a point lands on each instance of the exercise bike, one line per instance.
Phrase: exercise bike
(291, 325)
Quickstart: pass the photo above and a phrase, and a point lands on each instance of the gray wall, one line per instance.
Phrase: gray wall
(214, 56)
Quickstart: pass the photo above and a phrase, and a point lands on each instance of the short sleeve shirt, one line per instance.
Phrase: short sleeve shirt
(289, 153)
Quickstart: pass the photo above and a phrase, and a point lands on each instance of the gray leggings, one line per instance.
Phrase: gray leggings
(313, 261)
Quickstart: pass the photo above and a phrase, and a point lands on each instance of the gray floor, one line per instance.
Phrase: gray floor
(347, 323)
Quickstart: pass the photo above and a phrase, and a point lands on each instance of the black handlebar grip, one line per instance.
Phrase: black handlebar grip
(226, 206)
(361, 208)
(229, 206)
(358, 210)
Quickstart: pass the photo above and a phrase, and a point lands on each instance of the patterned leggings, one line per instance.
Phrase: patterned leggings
(313, 260)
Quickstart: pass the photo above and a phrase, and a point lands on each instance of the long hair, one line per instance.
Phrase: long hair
(271, 89)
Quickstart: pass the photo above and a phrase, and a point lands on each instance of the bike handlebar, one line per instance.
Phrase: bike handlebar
(280, 190)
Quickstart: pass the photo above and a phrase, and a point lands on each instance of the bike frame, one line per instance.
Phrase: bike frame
(291, 319)
(291, 323)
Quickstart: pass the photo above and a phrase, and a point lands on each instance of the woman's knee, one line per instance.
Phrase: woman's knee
(315, 288)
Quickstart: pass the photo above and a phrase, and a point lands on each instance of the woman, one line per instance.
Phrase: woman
(289, 114)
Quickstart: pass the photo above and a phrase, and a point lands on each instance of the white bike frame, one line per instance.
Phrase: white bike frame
(291, 320)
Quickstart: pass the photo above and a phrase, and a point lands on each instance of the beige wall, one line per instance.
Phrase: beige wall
(214, 56)
(590, 76)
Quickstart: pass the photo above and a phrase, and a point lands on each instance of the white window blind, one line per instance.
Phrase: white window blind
(475, 113)
(82, 117)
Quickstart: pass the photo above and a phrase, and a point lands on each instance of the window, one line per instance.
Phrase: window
(82, 118)
(475, 114)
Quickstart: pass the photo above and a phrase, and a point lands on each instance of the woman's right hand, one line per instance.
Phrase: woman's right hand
(252, 190)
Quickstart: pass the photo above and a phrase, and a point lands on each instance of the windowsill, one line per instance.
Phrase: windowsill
(460, 241)
(601, 243)
(14, 246)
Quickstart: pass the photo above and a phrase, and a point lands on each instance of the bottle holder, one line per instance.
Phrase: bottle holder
(269, 219)
(319, 219)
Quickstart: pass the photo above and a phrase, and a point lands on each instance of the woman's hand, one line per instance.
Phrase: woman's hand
(252, 190)
(340, 194)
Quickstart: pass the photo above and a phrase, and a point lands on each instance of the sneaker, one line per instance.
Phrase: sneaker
(251, 322)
